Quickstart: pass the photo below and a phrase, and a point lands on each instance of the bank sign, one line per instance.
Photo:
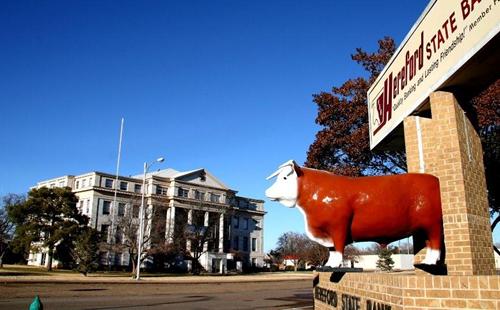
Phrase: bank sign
(446, 35)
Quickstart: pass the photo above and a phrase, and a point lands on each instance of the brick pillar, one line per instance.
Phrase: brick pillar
(451, 150)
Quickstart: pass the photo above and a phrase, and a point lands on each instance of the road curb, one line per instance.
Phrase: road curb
(204, 280)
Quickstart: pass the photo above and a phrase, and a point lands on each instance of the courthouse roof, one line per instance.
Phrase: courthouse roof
(183, 176)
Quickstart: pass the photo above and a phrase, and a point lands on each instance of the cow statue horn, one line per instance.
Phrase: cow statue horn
(291, 163)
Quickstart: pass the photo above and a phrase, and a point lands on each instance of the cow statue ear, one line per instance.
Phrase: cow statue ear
(297, 168)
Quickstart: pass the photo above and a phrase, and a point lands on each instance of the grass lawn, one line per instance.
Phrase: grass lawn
(34, 271)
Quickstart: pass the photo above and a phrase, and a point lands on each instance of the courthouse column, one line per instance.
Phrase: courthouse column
(170, 225)
(221, 233)
(189, 222)
(205, 223)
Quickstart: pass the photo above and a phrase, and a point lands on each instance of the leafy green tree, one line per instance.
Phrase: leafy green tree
(385, 262)
(274, 259)
(46, 218)
(62, 251)
(86, 250)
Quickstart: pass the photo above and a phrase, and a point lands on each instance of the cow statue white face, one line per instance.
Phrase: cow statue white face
(285, 189)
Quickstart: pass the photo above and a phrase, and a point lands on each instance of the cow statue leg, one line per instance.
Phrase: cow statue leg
(335, 258)
(433, 253)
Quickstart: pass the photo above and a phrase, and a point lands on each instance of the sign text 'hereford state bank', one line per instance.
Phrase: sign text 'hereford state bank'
(346, 302)
(446, 35)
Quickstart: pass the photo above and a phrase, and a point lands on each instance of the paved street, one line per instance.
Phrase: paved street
(239, 295)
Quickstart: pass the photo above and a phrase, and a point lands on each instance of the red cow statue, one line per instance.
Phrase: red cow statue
(339, 210)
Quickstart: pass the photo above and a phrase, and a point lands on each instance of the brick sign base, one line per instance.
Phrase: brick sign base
(396, 291)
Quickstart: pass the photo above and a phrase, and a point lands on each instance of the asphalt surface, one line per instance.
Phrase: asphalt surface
(286, 294)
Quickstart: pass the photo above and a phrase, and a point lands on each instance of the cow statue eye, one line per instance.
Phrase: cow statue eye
(284, 178)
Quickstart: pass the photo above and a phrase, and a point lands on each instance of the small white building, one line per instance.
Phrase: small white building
(369, 262)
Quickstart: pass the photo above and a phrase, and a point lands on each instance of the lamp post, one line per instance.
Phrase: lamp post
(141, 217)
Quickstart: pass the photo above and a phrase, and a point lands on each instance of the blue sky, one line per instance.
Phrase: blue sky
(224, 85)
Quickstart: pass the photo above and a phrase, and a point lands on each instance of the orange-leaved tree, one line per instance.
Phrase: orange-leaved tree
(342, 144)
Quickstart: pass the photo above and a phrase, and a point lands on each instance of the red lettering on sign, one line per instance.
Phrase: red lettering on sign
(384, 104)
(468, 8)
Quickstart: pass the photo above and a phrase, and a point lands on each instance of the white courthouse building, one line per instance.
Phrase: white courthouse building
(173, 200)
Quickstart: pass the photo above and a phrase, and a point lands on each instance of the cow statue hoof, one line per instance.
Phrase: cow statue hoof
(334, 260)
(431, 257)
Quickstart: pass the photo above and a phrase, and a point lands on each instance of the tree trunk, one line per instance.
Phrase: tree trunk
(132, 262)
(1, 260)
(49, 258)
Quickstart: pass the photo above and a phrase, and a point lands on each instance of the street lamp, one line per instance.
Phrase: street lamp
(141, 217)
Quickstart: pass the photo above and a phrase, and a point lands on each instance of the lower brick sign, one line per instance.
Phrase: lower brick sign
(346, 302)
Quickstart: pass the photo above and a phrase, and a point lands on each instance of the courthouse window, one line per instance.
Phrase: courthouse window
(160, 190)
(214, 198)
(182, 192)
(121, 209)
(105, 207)
(108, 183)
(236, 243)
(137, 188)
(245, 244)
(199, 195)
(135, 211)
(104, 231)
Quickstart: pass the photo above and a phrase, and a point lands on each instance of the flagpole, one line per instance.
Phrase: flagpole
(114, 210)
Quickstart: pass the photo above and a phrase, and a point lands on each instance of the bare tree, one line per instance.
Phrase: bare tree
(7, 227)
(198, 237)
(201, 235)
(351, 254)
(293, 247)
(316, 254)
(124, 237)
(373, 248)
(404, 247)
